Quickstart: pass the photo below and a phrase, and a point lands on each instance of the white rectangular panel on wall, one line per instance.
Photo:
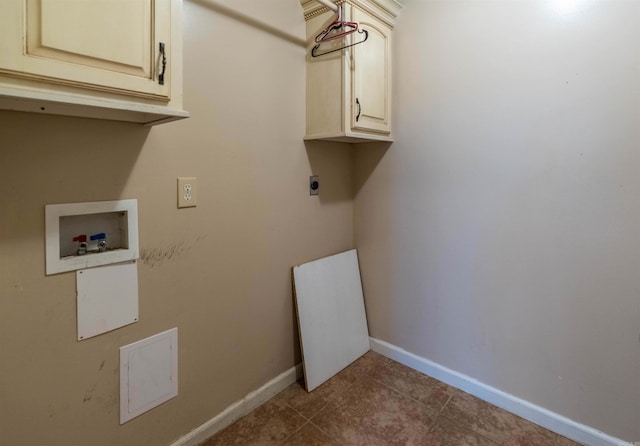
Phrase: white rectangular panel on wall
(331, 316)
(70, 224)
(107, 298)
(148, 373)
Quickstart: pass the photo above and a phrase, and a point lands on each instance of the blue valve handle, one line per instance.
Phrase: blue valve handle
(99, 236)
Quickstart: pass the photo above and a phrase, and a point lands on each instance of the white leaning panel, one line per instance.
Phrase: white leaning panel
(331, 315)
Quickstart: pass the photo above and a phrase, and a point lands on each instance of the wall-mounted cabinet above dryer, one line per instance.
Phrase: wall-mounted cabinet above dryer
(348, 82)
(99, 59)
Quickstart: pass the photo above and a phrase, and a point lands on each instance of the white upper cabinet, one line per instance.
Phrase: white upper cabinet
(99, 58)
(371, 77)
(349, 90)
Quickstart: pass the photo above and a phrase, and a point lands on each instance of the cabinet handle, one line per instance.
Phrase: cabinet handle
(359, 109)
(164, 64)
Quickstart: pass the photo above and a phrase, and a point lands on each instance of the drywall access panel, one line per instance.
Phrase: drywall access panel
(148, 373)
(107, 298)
(349, 91)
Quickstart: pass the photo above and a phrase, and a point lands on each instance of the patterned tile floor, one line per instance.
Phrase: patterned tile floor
(379, 402)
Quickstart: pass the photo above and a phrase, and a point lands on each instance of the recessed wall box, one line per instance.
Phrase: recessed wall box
(84, 235)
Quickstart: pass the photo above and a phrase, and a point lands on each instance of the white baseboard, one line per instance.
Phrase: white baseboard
(240, 408)
(536, 414)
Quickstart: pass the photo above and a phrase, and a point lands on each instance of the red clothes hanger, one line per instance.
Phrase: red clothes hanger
(344, 28)
(337, 24)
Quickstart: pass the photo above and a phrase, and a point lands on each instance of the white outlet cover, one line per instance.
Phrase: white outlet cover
(148, 374)
(187, 192)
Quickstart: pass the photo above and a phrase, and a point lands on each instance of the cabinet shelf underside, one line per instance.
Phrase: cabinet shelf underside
(25, 100)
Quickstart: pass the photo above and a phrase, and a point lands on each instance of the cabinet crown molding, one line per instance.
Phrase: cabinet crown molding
(385, 10)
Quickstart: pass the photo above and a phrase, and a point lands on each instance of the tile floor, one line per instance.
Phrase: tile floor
(379, 402)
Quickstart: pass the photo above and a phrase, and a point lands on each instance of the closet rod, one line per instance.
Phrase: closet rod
(329, 4)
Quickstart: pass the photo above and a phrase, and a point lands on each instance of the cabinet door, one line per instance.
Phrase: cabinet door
(371, 76)
(97, 44)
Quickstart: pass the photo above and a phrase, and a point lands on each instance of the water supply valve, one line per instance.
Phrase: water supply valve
(101, 241)
(82, 244)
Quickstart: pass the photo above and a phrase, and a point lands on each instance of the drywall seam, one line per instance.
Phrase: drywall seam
(529, 411)
(240, 408)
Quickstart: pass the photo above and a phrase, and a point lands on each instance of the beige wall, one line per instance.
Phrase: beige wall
(499, 235)
(219, 272)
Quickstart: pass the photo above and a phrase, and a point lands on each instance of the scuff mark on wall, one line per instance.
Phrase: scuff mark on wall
(53, 410)
(157, 256)
(17, 287)
(89, 394)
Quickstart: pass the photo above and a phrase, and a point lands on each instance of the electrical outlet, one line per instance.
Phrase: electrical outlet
(187, 192)
(314, 185)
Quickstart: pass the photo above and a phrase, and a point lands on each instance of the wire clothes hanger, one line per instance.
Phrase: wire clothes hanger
(344, 28)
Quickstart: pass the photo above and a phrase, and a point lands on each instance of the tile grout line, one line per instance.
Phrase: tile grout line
(469, 428)
(474, 431)
(403, 394)
(308, 420)
(429, 426)
(331, 399)
(407, 395)
(438, 412)
(445, 405)
(347, 390)
(296, 411)
(440, 415)
(323, 431)
(296, 431)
